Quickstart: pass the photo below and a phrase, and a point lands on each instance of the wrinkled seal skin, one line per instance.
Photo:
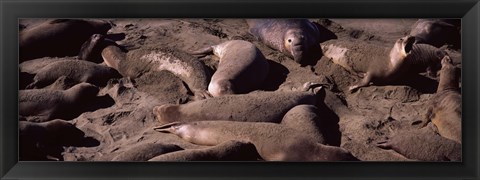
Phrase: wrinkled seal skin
(42, 105)
(36, 139)
(76, 71)
(242, 67)
(296, 38)
(58, 38)
(273, 142)
(437, 32)
(445, 108)
(257, 107)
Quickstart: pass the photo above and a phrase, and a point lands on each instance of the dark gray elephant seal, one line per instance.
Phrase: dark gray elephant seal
(227, 151)
(254, 107)
(37, 140)
(445, 108)
(437, 32)
(76, 71)
(273, 142)
(58, 38)
(146, 151)
(405, 58)
(42, 105)
(423, 144)
(242, 67)
(296, 38)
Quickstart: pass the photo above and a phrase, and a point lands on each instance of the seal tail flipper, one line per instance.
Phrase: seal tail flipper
(167, 128)
(202, 52)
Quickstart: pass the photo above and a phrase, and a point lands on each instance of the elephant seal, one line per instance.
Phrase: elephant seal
(254, 107)
(296, 38)
(37, 141)
(273, 142)
(445, 108)
(226, 151)
(41, 105)
(437, 32)
(305, 118)
(146, 151)
(403, 59)
(58, 37)
(423, 144)
(242, 67)
(75, 70)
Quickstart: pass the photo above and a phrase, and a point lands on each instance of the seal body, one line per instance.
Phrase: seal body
(146, 151)
(296, 38)
(445, 109)
(242, 68)
(257, 107)
(273, 142)
(42, 105)
(437, 32)
(58, 38)
(75, 70)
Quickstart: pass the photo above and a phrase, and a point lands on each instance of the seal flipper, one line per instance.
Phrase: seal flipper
(202, 52)
(168, 128)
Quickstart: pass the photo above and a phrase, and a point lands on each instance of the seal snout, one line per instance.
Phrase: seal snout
(409, 41)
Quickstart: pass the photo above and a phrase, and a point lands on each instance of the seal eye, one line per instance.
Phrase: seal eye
(289, 40)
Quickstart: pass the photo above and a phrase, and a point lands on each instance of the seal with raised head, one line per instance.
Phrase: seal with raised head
(58, 37)
(41, 105)
(296, 38)
(242, 67)
(254, 107)
(274, 142)
(445, 107)
(437, 32)
(405, 58)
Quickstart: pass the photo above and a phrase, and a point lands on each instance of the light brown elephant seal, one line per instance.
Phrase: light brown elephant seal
(423, 144)
(42, 105)
(437, 32)
(305, 118)
(38, 141)
(254, 107)
(76, 71)
(273, 142)
(445, 108)
(146, 151)
(296, 38)
(242, 67)
(404, 59)
(227, 151)
(58, 37)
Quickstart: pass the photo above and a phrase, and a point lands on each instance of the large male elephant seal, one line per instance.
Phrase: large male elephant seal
(42, 105)
(445, 108)
(76, 71)
(273, 142)
(296, 38)
(242, 67)
(437, 32)
(385, 66)
(58, 38)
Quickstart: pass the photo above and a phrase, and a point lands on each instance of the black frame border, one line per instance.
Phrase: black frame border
(11, 11)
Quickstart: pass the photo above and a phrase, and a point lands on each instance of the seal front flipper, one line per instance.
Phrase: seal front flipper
(202, 52)
(168, 128)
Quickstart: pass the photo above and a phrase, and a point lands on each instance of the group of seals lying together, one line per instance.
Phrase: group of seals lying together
(226, 113)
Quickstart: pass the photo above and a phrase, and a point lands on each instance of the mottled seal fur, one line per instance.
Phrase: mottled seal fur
(445, 108)
(437, 32)
(242, 67)
(146, 151)
(404, 59)
(226, 151)
(296, 38)
(42, 105)
(273, 142)
(58, 37)
(75, 70)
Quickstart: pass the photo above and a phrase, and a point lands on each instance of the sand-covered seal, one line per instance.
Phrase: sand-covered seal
(382, 65)
(76, 71)
(445, 107)
(226, 151)
(146, 151)
(437, 32)
(274, 142)
(37, 140)
(254, 107)
(296, 38)
(305, 118)
(241, 69)
(41, 105)
(58, 37)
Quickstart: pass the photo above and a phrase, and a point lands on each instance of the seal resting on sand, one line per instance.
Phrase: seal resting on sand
(437, 32)
(242, 67)
(58, 37)
(296, 38)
